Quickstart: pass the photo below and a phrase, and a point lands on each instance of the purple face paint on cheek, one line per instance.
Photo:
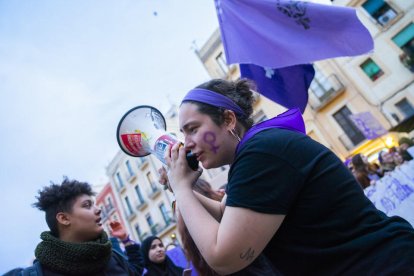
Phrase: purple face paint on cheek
(210, 138)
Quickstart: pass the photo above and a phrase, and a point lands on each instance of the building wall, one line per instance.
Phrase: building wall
(143, 177)
(111, 211)
(350, 86)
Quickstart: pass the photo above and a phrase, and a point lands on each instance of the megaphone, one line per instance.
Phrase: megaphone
(142, 131)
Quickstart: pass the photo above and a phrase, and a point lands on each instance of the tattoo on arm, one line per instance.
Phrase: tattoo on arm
(248, 255)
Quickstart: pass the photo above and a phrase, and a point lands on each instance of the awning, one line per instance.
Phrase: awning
(407, 125)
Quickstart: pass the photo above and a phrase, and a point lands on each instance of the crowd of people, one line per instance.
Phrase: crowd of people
(368, 173)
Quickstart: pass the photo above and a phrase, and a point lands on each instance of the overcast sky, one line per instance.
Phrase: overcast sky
(68, 71)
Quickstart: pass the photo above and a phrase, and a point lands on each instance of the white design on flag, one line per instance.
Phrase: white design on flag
(269, 72)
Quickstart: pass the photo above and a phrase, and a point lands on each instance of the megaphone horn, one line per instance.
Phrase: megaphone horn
(142, 131)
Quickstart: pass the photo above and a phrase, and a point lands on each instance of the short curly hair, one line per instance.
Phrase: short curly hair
(60, 198)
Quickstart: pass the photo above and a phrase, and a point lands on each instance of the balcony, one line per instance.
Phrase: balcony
(141, 205)
(155, 191)
(131, 216)
(142, 163)
(170, 223)
(154, 229)
(132, 177)
(121, 189)
(323, 91)
(143, 236)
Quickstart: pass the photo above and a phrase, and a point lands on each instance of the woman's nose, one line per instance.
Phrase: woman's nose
(188, 143)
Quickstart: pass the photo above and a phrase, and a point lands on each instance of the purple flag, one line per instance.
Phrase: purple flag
(286, 86)
(281, 33)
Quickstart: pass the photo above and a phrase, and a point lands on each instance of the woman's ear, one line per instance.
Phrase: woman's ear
(230, 119)
(63, 218)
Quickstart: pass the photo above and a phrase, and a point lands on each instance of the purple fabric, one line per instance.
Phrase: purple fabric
(290, 119)
(178, 257)
(368, 125)
(281, 33)
(286, 86)
(212, 98)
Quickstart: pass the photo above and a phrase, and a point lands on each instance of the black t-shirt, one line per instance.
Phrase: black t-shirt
(330, 227)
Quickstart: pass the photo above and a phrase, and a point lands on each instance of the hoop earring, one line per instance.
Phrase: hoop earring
(235, 135)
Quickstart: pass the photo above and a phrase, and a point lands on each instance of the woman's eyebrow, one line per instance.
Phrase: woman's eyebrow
(187, 125)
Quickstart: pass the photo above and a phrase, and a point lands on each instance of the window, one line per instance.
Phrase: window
(139, 194)
(405, 107)
(138, 230)
(120, 182)
(151, 224)
(371, 69)
(164, 213)
(380, 11)
(128, 165)
(221, 61)
(149, 220)
(151, 182)
(110, 205)
(321, 87)
(405, 40)
(128, 205)
(102, 208)
(342, 118)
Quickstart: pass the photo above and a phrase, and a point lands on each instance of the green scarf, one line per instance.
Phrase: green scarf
(74, 258)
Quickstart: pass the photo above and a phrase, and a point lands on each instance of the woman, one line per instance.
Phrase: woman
(386, 160)
(156, 261)
(364, 172)
(287, 195)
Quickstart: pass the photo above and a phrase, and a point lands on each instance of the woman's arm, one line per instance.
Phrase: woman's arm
(214, 207)
(236, 241)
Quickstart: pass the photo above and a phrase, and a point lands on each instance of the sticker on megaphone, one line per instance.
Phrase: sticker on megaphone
(141, 131)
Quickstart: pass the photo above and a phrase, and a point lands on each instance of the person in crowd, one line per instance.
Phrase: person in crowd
(386, 160)
(156, 260)
(405, 143)
(76, 243)
(396, 156)
(364, 172)
(287, 195)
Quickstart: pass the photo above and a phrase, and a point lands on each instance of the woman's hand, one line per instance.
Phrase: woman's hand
(163, 179)
(117, 230)
(180, 175)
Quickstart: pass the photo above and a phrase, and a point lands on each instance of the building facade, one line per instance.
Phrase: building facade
(145, 206)
(380, 83)
(111, 211)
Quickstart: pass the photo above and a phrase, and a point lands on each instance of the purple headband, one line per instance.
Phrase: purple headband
(212, 98)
